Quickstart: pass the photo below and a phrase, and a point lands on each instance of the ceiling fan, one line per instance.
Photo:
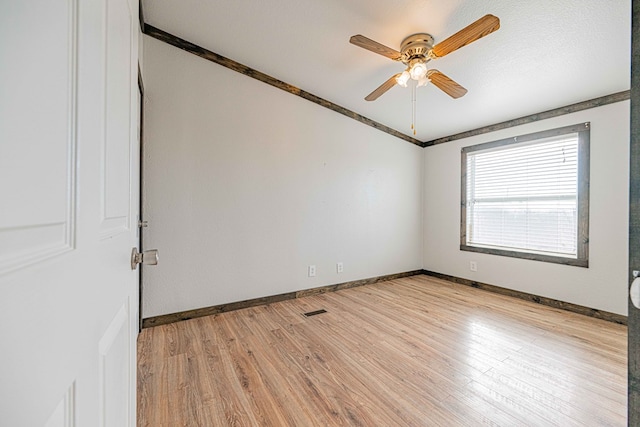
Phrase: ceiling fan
(418, 49)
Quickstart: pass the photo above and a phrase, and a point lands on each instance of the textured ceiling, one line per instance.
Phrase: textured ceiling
(546, 54)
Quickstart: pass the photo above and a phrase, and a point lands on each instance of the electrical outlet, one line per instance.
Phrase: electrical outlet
(312, 271)
(339, 267)
(473, 266)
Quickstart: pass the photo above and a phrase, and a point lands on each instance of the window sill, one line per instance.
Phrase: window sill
(530, 256)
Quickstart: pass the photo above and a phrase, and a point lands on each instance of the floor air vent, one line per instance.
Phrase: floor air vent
(313, 313)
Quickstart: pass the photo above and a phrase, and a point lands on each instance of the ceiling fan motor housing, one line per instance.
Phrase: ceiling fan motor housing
(416, 46)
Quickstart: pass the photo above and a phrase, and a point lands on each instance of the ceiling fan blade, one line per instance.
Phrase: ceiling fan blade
(482, 27)
(445, 84)
(374, 46)
(382, 88)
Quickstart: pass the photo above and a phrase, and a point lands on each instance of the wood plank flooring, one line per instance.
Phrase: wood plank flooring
(416, 351)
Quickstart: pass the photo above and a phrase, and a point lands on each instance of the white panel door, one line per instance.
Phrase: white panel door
(69, 159)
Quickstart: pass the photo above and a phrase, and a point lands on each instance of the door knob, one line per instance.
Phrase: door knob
(149, 257)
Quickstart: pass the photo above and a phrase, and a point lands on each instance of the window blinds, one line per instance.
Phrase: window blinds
(524, 196)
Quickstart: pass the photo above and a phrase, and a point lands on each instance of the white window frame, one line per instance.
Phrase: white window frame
(582, 235)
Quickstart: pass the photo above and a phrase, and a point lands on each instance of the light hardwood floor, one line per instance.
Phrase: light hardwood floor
(408, 352)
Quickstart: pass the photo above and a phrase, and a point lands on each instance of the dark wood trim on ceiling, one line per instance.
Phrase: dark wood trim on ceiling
(265, 78)
(575, 308)
(222, 308)
(585, 105)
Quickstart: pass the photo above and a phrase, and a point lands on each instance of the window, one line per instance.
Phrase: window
(528, 196)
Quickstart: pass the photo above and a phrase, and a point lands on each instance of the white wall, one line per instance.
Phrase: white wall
(604, 284)
(250, 185)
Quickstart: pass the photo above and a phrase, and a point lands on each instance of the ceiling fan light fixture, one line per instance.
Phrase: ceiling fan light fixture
(417, 50)
(403, 78)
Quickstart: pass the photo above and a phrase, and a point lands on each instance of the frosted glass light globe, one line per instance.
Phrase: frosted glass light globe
(403, 78)
(418, 71)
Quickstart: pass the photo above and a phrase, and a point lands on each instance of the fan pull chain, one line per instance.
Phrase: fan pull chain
(413, 108)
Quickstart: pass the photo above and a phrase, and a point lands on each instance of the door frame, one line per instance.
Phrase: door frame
(141, 187)
(633, 350)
